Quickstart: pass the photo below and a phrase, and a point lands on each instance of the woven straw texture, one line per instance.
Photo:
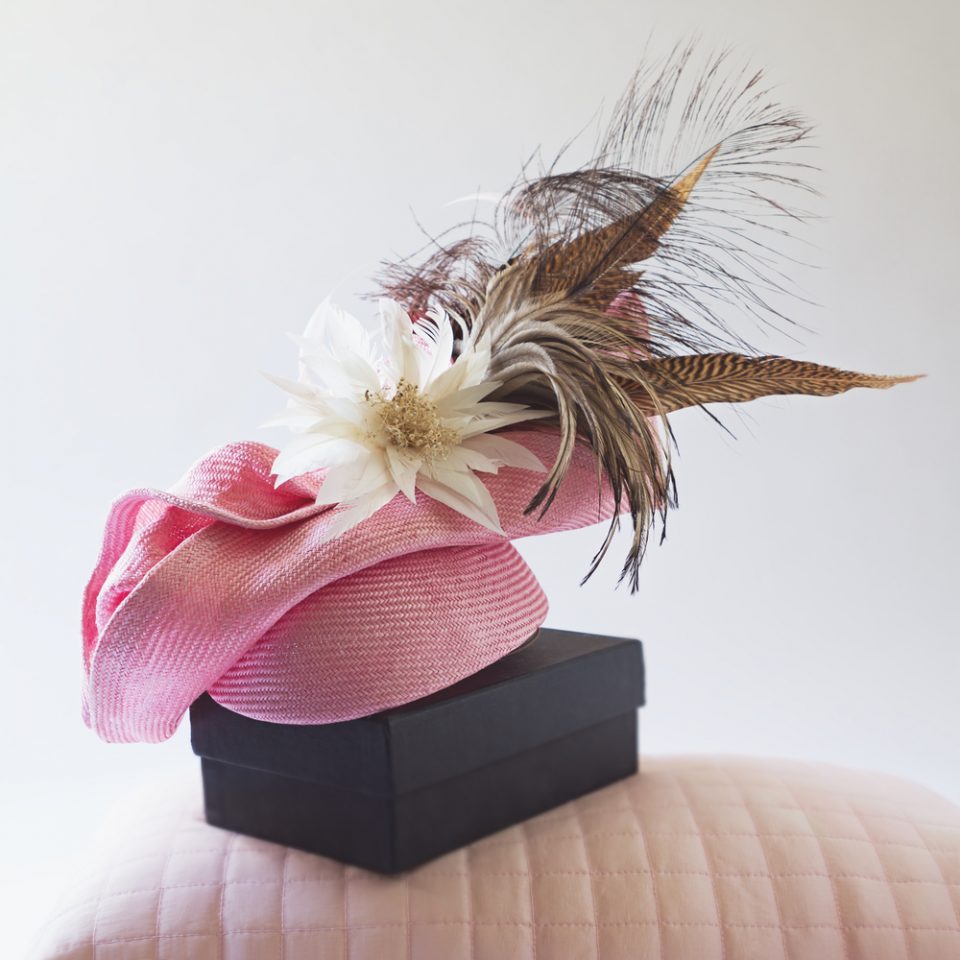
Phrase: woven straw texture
(695, 859)
(224, 584)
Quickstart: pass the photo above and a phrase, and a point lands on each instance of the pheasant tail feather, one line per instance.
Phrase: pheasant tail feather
(602, 293)
(673, 383)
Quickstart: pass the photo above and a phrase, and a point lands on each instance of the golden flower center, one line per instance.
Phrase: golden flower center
(409, 421)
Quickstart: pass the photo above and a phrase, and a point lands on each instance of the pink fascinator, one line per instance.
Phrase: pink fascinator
(520, 384)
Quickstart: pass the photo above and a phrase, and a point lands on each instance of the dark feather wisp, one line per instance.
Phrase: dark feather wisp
(604, 291)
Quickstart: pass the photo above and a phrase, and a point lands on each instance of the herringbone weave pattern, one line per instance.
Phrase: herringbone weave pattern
(226, 584)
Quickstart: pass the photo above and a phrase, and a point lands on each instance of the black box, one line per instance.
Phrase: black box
(551, 721)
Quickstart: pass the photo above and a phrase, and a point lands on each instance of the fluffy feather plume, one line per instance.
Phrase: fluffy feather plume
(602, 291)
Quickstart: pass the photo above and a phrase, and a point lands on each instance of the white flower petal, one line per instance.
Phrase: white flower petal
(462, 481)
(336, 350)
(349, 482)
(409, 362)
(348, 517)
(299, 389)
(340, 331)
(463, 458)
(454, 378)
(349, 410)
(463, 399)
(339, 431)
(488, 424)
(441, 351)
(345, 372)
(319, 321)
(403, 468)
(306, 421)
(297, 419)
(456, 501)
(477, 358)
(504, 452)
(330, 453)
(305, 441)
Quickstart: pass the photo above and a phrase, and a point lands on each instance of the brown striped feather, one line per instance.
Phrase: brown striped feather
(592, 267)
(541, 280)
(688, 381)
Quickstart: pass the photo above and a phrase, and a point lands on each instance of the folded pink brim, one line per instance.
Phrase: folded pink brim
(225, 584)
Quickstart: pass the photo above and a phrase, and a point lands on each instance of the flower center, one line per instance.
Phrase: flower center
(408, 420)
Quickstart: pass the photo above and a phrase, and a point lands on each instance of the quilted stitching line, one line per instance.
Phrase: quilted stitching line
(525, 847)
(714, 804)
(96, 912)
(566, 812)
(826, 867)
(883, 867)
(471, 908)
(163, 873)
(804, 776)
(597, 872)
(731, 875)
(612, 924)
(387, 924)
(730, 833)
(345, 872)
(649, 861)
(189, 886)
(926, 843)
(546, 820)
(766, 861)
(453, 874)
(593, 893)
(161, 854)
(408, 939)
(283, 903)
(225, 853)
(943, 877)
(706, 857)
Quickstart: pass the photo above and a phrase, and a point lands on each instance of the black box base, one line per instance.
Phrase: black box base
(418, 826)
(535, 730)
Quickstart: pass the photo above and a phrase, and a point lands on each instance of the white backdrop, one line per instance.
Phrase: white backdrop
(183, 182)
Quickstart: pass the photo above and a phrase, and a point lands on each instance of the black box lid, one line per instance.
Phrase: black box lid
(560, 683)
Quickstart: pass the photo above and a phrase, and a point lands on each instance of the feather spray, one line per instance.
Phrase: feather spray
(602, 291)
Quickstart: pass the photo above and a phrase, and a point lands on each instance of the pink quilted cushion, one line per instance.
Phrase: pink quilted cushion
(694, 859)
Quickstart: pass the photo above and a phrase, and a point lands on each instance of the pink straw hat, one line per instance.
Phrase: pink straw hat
(223, 584)
(369, 562)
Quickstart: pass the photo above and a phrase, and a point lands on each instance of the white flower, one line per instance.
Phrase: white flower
(396, 416)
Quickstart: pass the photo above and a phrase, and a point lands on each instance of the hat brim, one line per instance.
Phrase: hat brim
(225, 583)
